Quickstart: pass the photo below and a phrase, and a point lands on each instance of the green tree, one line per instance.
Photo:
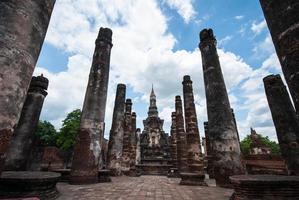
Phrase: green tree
(46, 133)
(246, 142)
(69, 130)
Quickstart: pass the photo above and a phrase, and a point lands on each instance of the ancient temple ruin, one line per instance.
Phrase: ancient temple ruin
(154, 142)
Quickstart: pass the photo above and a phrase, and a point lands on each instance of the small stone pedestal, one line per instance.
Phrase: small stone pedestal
(192, 179)
(265, 187)
(104, 176)
(173, 173)
(22, 184)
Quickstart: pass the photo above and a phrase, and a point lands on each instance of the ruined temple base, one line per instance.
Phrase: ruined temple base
(23, 184)
(153, 169)
(104, 176)
(192, 179)
(268, 187)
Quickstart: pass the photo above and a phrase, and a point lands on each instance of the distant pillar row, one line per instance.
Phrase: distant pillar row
(222, 129)
(23, 27)
(87, 151)
(115, 145)
(22, 140)
(285, 121)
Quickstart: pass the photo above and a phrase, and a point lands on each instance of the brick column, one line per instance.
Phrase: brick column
(283, 22)
(87, 151)
(285, 121)
(115, 144)
(19, 149)
(23, 26)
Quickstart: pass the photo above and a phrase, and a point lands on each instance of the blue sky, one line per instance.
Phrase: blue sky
(156, 41)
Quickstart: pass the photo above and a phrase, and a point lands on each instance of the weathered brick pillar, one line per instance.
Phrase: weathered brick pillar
(173, 141)
(133, 138)
(87, 151)
(195, 160)
(138, 150)
(23, 26)
(209, 153)
(222, 128)
(127, 138)
(285, 121)
(22, 139)
(115, 145)
(194, 156)
(283, 22)
(181, 136)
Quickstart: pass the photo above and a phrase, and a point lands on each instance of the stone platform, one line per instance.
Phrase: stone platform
(265, 187)
(22, 184)
(153, 169)
(143, 188)
(192, 179)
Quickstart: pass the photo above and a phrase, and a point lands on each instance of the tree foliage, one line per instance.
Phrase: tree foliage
(246, 142)
(46, 133)
(69, 130)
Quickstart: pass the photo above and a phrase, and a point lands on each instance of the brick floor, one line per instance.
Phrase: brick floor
(142, 188)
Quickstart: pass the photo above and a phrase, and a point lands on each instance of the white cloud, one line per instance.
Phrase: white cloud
(258, 27)
(239, 17)
(183, 7)
(224, 40)
(142, 54)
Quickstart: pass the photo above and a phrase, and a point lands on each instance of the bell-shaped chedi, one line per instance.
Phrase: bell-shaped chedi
(222, 128)
(87, 151)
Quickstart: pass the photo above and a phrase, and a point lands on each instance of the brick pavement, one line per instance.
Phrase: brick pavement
(142, 188)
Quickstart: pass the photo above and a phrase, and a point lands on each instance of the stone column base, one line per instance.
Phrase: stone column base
(82, 180)
(248, 187)
(23, 184)
(192, 179)
(104, 176)
(173, 173)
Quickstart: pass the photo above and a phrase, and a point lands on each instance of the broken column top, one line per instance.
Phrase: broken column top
(273, 80)
(105, 35)
(186, 79)
(178, 98)
(39, 81)
(128, 105)
(133, 115)
(121, 85)
(173, 114)
(207, 35)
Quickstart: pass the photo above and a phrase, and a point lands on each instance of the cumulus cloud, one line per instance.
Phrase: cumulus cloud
(183, 7)
(239, 17)
(142, 54)
(258, 27)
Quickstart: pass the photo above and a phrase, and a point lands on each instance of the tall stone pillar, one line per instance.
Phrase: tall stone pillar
(209, 153)
(173, 141)
(22, 139)
(23, 26)
(283, 19)
(138, 150)
(87, 150)
(222, 128)
(126, 155)
(181, 136)
(285, 121)
(115, 145)
(133, 144)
